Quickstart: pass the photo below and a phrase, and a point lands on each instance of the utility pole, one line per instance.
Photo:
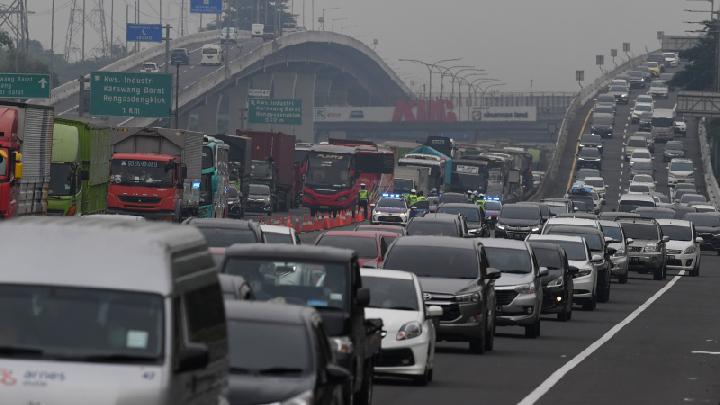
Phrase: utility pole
(167, 48)
(52, 45)
(182, 18)
(161, 20)
(313, 15)
(82, 44)
(127, 20)
(112, 27)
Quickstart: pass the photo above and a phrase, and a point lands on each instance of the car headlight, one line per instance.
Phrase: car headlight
(558, 282)
(535, 229)
(304, 398)
(651, 248)
(528, 288)
(619, 253)
(377, 214)
(467, 298)
(409, 330)
(500, 227)
(689, 249)
(583, 273)
(342, 344)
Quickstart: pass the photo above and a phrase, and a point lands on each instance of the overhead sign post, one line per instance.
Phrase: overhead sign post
(24, 85)
(206, 6)
(124, 94)
(143, 33)
(275, 111)
(698, 103)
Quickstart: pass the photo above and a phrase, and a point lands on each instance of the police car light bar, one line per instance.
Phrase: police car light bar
(492, 198)
(386, 195)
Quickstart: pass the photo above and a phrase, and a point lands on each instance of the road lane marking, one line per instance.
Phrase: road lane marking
(555, 377)
(68, 110)
(704, 352)
(126, 121)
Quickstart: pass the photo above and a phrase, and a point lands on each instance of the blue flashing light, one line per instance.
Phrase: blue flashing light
(387, 195)
(492, 198)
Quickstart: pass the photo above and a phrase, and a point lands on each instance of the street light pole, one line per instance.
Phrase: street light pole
(444, 73)
(456, 77)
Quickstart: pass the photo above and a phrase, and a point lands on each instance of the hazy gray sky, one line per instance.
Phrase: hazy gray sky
(545, 41)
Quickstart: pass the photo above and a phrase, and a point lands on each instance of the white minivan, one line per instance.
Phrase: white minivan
(102, 311)
(212, 54)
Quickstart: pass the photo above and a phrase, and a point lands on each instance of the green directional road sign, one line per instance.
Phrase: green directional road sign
(130, 94)
(24, 85)
(275, 111)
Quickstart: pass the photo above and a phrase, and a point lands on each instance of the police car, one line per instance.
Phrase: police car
(390, 209)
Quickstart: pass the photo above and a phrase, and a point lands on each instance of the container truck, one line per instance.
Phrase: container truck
(214, 179)
(412, 177)
(26, 133)
(239, 157)
(273, 165)
(80, 167)
(155, 173)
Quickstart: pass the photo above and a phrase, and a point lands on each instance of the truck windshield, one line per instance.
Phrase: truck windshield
(80, 324)
(3, 165)
(403, 186)
(260, 170)
(328, 170)
(268, 348)
(658, 122)
(208, 160)
(206, 189)
(62, 179)
(146, 173)
(316, 284)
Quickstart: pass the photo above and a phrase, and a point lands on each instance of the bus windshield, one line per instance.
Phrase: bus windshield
(329, 170)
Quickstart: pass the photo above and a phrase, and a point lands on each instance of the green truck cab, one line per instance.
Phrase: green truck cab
(214, 179)
(80, 168)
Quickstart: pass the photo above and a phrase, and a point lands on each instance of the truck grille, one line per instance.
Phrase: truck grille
(505, 297)
(139, 199)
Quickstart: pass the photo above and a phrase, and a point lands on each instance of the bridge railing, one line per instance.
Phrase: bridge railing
(576, 107)
(711, 183)
(72, 87)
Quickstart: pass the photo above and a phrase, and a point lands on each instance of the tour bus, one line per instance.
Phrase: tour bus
(212, 54)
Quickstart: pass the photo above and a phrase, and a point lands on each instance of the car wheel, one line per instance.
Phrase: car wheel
(533, 331)
(604, 291)
(658, 273)
(477, 345)
(695, 271)
(623, 279)
(566, 314)
(423, 379)
(590, 304)
(364, 396)
(490, 337)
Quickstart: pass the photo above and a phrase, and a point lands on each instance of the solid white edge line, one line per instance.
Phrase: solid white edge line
(68, 110)
(126, 121)
(555, 377)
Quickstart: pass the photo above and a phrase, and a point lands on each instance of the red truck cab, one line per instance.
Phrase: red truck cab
(145, 184)
(10, 162)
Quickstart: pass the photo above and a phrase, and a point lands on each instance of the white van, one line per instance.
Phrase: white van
(97, 311)
(212, 54)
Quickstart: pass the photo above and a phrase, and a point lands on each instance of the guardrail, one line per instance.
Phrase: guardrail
(582, 97)
(711, 183)
(72, 87)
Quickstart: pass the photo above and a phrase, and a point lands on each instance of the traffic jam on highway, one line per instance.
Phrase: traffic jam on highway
(146, 265)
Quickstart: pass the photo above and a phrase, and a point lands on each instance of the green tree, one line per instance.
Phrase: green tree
(244, 13)
(699, 74)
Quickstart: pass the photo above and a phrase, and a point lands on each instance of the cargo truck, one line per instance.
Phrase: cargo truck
(239, 157)
(26, 133)
(412, 177)
(273, 165)
(155, 173)
(80, 168)
(214, 179)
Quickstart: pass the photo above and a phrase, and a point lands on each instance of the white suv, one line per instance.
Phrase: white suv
(681, 171)
(683, 248)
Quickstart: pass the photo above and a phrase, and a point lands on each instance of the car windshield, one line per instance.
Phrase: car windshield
(438, 228)
(434, 261)
(600, 183)
(315, 284)
(642, 178)
(602, 120)
(150, 66)
(81, 324)
(641, 154)
(657, 213)
(550, 259)
(703, 219)
(136, 172)
(618, 87)
(590, 152)
(493, 206)
(594, 239)
(674, 145)
(643, 107)
(62, 179)
(509, 260)
(677, 232)
(574, 250)
(391, 293)
(259, 189)
(614, 232)
(591, 139)
(582, 173)
(365, 247)
(259, 347)
(557, 209)
(272, 237)
(391, 203)
(471, 214)
(520, 212)
(639, 188)
(640, 231)
(224, 237)
(642, 165)
(637, 142)
(681, 166)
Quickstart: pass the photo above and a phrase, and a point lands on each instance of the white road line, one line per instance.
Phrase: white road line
(704, 352)
(555, 377)
(126, 121)
(68, 110)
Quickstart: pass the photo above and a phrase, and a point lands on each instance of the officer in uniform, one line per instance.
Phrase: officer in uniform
(363, 197)
(411, 198)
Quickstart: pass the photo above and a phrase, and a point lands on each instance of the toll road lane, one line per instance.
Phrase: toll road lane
(648, 361)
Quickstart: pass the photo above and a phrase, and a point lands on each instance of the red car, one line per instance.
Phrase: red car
(396, 229)
(371, 246)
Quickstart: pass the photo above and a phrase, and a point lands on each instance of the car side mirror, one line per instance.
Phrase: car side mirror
(193, 357)
(666, 239)
(572, 270)
(596, 258)
(608, 239)
(363, 297)
(544, 271)
(336, 375)
(611, 251)
(492, 273)
(433, 311)
(629, 241)
(699, 240)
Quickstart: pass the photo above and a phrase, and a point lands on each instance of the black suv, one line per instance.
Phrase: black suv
(438, 224)
(591, 141)
(454, 274)
(646, 251)
(707, 226)
(589, 157)
(558, 284)
(473, 215)
(516, 221)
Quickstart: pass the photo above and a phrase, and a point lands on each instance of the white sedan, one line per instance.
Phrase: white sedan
(149, 67)
(408, 345)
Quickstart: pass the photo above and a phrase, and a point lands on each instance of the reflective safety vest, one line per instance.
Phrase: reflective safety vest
(418, 199)
(363, 195)
(480, 203)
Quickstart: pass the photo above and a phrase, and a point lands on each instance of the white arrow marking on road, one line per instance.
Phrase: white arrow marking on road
(704, 352)
(43, 83)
